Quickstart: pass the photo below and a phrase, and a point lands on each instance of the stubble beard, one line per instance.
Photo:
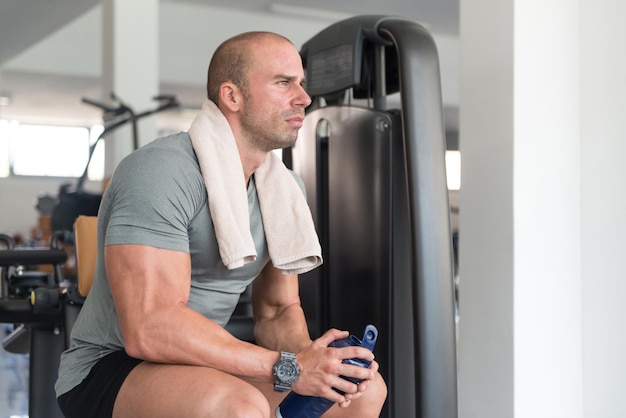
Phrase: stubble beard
(266, 137)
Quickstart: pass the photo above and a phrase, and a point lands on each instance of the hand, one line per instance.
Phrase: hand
(321, 367)
(362, 387)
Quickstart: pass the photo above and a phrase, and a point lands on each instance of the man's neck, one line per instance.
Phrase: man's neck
(250, 161)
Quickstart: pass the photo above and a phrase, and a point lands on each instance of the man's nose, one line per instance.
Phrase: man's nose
(303, 97)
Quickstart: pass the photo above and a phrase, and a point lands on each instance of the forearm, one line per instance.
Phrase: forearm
(179, 335)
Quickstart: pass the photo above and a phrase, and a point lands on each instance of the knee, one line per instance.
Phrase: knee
(251, 404)
(371, 402)
(246, 402)
(377, 391)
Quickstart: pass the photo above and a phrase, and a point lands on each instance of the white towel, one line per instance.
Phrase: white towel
(292, 242)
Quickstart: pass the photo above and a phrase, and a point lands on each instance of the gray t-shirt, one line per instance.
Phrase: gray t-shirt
(157, 197)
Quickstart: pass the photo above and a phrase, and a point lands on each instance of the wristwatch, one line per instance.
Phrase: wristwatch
(286, 372)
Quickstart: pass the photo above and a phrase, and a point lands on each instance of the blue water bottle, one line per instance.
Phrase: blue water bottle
(300, 406)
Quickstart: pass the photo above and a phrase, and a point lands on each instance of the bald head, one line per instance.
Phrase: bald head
(233, 59)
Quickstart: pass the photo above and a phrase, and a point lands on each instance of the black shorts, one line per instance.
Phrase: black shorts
(95, 396)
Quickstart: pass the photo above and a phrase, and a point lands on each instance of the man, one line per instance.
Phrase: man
(150, 339)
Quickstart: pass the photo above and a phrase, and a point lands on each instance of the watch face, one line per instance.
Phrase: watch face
(286, 371)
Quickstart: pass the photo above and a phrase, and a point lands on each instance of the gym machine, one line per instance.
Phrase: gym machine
(376, 184)
(38, 329)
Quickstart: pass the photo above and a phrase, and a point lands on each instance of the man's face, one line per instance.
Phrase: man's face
(274, 97)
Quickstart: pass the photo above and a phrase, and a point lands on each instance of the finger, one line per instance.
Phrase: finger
(344, 404)
(355, 352)
(330, 336)
(355, 372)
(362, 388)
(334, 396)
(374, 366)
(347, 387)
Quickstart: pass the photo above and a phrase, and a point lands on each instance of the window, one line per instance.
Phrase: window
(453, 169)
(43, 150)
(96, 166)
(5, 169)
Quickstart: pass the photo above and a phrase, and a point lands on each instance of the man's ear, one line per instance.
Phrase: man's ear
(231, 97)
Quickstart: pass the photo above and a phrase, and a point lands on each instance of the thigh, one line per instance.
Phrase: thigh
(162, 390)
(274, 398)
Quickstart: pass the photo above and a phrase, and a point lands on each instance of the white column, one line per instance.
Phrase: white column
(486, 210)
(520, 349)
(130, 68)
(603, 122)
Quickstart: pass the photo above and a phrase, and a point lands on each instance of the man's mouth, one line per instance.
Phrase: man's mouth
(295, 120)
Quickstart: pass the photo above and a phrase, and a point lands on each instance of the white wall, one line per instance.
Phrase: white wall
(542, 136)
(192, 33)
(603, 205)
(546, 210)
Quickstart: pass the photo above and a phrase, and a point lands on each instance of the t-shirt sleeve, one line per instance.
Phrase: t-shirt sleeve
(154, 195)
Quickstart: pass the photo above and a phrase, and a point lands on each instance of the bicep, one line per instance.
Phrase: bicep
(146, 279)
(273, 291)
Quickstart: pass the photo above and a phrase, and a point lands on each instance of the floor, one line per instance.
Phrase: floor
(13, 381)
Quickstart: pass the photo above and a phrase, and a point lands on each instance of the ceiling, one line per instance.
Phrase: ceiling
(27, 23)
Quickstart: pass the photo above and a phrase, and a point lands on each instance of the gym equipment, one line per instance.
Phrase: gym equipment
(376, 184)
(45, 310)
(37, 329)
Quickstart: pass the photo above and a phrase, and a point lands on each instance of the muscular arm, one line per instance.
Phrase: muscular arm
(279, 320)
(150, 288)
(280, 325)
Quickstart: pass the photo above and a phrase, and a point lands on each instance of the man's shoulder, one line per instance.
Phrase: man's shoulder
(171, 149)
(169, 161)
(178, 143)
